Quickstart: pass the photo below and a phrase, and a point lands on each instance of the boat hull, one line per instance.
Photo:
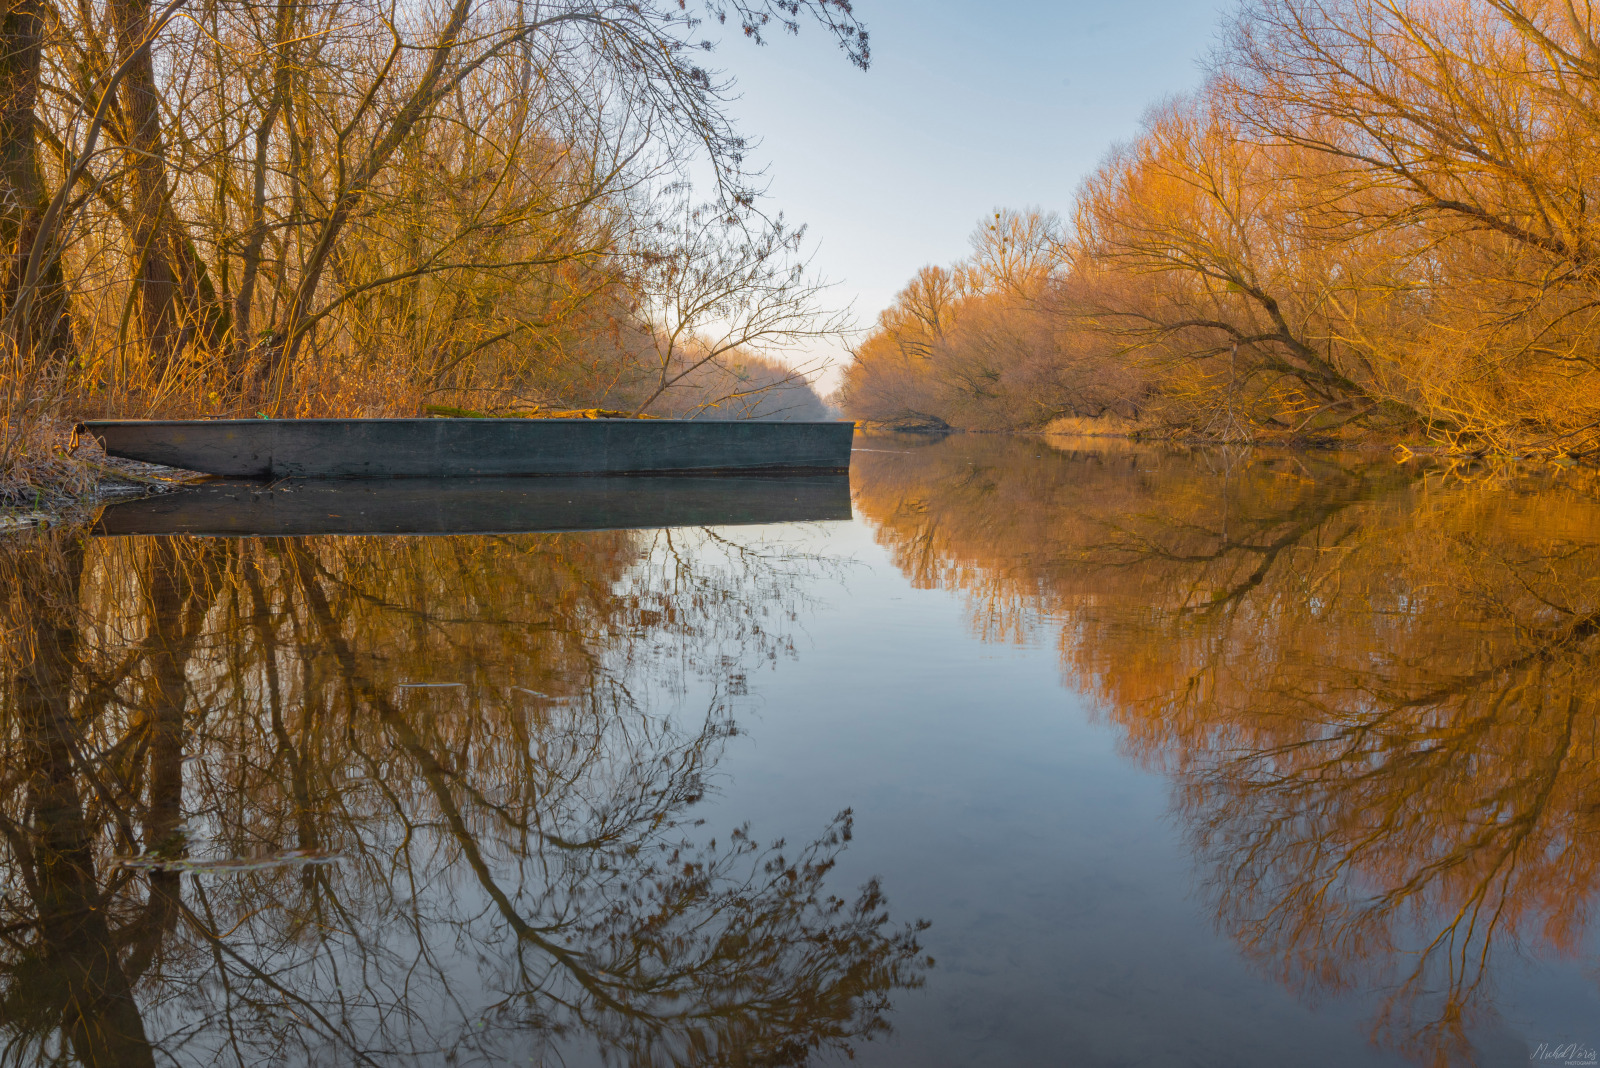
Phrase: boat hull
(451, 448)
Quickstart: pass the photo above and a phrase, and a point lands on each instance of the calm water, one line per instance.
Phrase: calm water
(1090, 755)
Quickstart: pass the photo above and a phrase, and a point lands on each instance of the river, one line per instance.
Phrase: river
(1057, 752)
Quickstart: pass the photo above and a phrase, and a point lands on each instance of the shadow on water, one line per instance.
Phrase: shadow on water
(1375, 688)
(375, 801)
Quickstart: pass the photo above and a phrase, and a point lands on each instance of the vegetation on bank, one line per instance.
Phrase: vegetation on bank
(347, 208)
(1373, 220)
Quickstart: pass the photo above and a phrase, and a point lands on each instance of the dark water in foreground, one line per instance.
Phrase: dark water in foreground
(1184, 758)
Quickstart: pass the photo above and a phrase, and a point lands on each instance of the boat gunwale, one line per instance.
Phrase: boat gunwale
(730, 447)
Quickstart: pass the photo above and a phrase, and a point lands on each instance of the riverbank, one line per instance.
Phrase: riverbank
(1116, 428)
(62, 478)
(1345, 439)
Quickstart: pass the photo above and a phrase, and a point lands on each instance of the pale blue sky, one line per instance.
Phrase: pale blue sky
(967, 107)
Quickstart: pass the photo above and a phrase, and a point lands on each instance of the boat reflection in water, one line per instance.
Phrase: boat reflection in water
(1375, 687)
(354, 800)
(480, 505)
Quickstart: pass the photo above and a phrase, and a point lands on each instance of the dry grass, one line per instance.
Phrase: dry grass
(43, 469)
(54, 475)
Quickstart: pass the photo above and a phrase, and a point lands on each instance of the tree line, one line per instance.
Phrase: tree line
(1373, 218)
(363, 207)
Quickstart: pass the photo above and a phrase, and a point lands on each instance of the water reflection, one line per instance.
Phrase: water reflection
(480, 505)
(1374, 686)
(346, 800)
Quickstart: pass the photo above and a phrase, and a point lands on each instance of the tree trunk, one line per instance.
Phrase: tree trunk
(154, 277)
(43, 328)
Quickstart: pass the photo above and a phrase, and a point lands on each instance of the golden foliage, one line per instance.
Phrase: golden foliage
(336, 209)
(1373, 218)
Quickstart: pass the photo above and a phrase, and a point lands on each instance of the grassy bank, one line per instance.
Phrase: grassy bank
(56, 477)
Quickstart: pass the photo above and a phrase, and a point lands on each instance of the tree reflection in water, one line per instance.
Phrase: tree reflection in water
(1375, 687)
(338, 801)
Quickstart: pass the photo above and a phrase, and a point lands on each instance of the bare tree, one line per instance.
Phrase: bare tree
(715, 287)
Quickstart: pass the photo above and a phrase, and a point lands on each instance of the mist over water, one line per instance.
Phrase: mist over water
(1058, 752)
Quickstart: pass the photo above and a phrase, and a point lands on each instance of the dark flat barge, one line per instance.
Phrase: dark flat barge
(274, 449)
